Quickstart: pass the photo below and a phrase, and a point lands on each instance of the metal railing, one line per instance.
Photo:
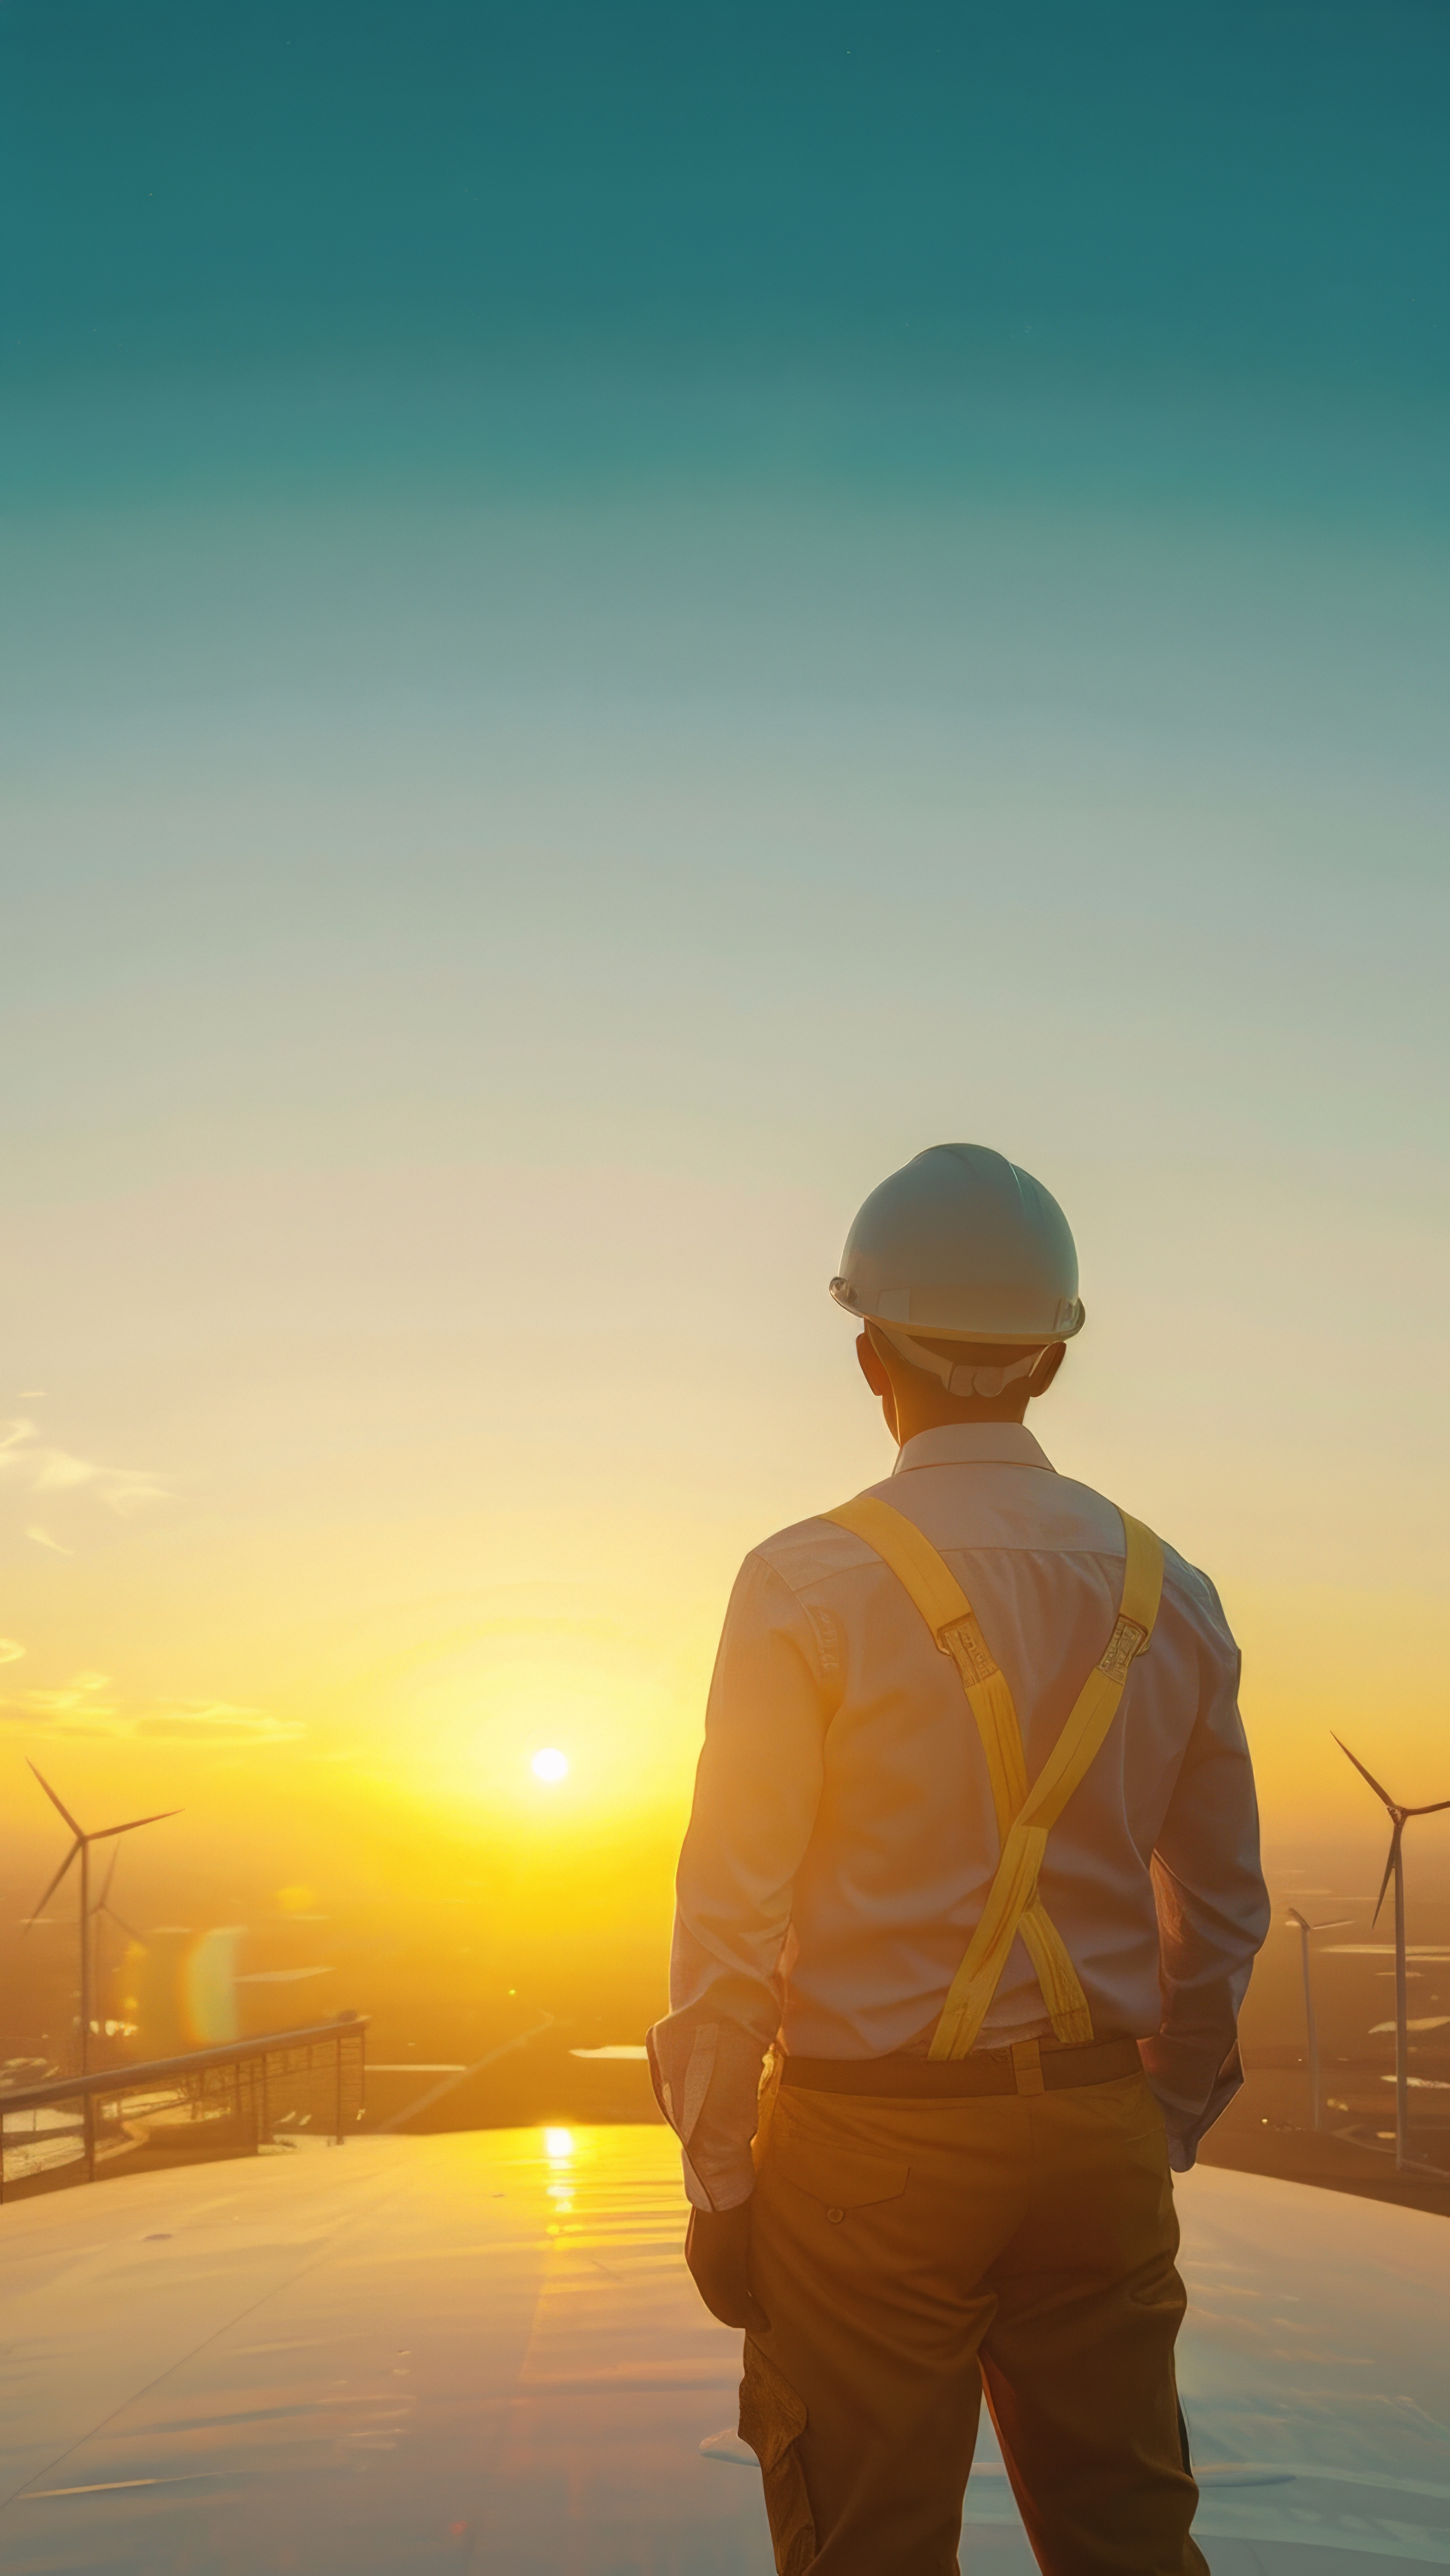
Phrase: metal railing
(233, 2100)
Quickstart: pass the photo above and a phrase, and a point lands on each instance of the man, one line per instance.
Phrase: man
(974, 1857)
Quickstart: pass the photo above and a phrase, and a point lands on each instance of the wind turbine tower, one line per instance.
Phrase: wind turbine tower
(104, 1911)
(1311, 2027)
(1395, 1868)
(81, 1848)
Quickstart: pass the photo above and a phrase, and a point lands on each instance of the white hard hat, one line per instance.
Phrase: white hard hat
(962, 1245)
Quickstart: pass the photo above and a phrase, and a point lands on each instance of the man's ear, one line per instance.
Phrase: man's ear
(1046, 1370)
(878, 1379)
(871, 1368)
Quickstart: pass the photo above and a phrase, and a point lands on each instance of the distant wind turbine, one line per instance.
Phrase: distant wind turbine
(1311, 2027)
(81, 1848)
(1395, 1868)
(103, 1906)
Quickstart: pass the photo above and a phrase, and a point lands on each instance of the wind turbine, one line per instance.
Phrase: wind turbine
(1395, 1868)
(1310, 2025)
(103, 1906)
(82, 1847)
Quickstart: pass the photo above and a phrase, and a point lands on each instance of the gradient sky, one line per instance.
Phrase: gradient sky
(610, 620)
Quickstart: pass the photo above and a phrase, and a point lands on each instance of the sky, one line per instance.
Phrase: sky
(610, 621)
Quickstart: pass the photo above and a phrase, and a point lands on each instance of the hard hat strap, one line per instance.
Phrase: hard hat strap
(956, 1376)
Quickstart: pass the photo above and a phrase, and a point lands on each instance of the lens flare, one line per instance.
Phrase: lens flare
(550, 1764)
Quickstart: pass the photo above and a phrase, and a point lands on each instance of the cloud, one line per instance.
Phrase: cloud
(56, 1468)
(86, 1706)
(42, 1469)
(10, 1653)
(43, 1538)
(215, 1721)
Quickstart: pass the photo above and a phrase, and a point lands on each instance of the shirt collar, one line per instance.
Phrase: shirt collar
(972, 1444)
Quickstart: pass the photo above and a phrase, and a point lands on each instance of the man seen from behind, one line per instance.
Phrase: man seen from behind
(967, 1908)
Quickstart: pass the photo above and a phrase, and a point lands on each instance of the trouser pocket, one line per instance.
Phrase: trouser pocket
(772, 2420)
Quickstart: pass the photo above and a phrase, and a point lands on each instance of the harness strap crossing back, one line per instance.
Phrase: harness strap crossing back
(1025, 1815)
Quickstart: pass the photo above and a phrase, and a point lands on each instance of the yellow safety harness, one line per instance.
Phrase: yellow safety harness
(1025, 1816)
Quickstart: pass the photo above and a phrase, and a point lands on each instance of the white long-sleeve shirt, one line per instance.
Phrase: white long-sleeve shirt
(843, 1836)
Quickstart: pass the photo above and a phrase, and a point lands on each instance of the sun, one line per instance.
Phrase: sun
(550, 1765)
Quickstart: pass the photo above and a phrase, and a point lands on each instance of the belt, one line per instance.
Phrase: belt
(1029, 2067)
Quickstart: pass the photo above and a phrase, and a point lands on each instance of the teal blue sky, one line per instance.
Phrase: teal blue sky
(612, 618)
(1154, 254)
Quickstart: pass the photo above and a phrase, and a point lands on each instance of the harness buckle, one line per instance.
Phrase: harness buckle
(1127, 1640)
(963, 1640)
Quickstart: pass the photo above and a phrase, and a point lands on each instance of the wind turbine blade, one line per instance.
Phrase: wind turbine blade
(1359, 1766)
(54, 1884)
(1428, 1811)
(101, 1906)
(1389, 1872)
(57, 1802)
(1297, 1919)
(1337, 1923)
(121, 1923)
(134, 1825)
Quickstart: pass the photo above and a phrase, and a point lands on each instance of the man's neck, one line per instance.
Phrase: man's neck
(927, 1413)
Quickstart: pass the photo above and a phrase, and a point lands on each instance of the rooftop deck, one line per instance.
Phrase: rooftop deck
(481, 2350)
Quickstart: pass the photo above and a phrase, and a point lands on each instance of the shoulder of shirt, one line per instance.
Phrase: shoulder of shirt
(812, 1552)
(1194, 1589)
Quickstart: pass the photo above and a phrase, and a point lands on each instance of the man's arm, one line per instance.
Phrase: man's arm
(1213, 1911)
(756, 1795)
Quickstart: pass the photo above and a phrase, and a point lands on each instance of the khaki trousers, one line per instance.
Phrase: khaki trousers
(908, 2251)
